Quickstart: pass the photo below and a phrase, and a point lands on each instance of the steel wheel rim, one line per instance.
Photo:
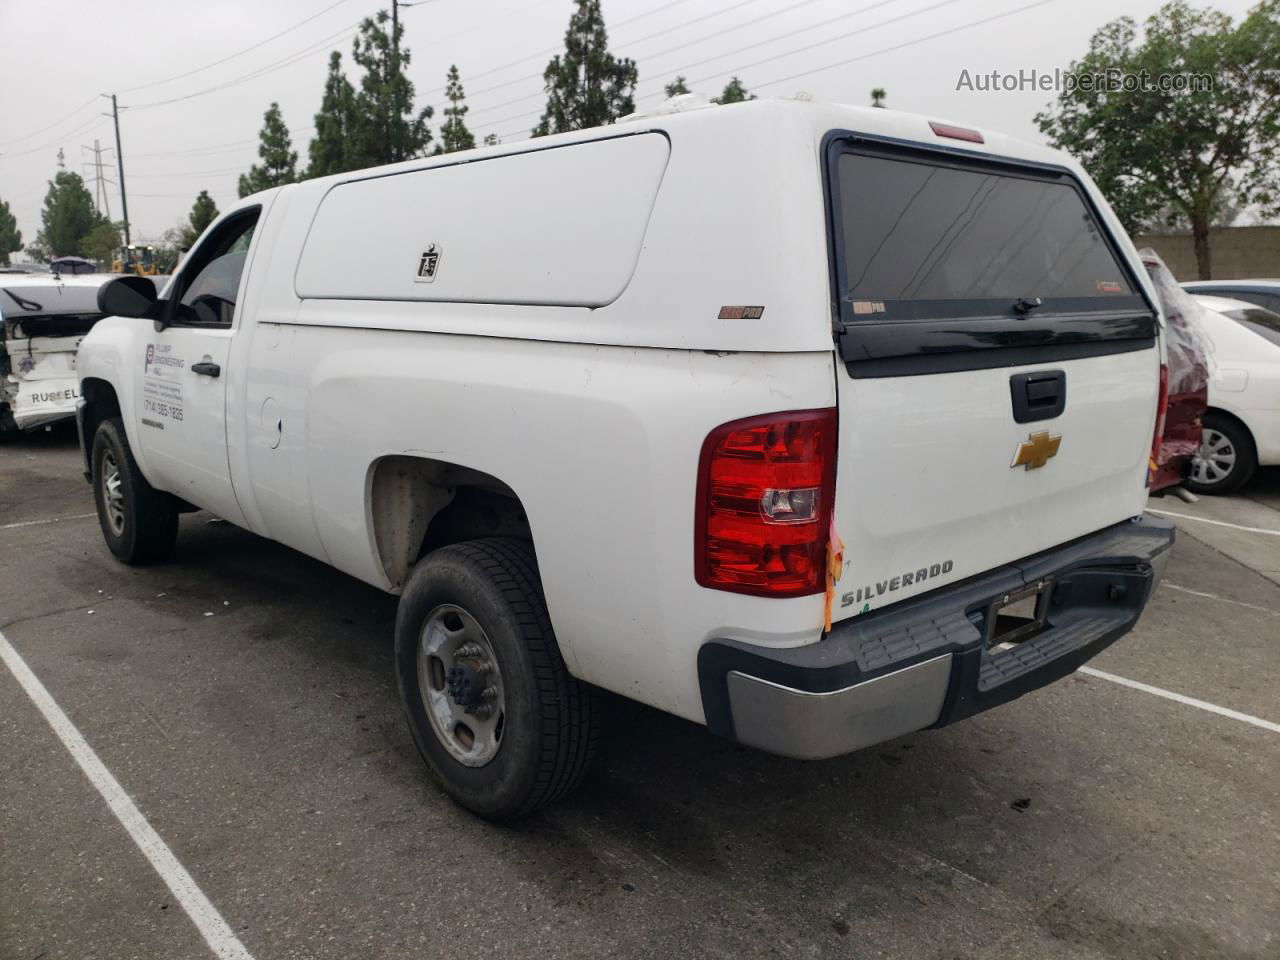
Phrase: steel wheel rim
(455, 658)
(112, 493)
(1216, 458)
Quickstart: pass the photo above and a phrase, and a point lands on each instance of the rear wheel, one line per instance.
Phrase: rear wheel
(489, 701)
(139, 522)
(1227, 458)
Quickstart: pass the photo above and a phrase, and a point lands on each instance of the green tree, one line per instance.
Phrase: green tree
(102, 242)
(203, 212)
(587, 86)
(68, 215)
(878, 96)
(676, 87)
(275, 150)
(1213, 130)
(734, 92)
(454, 135)
(10, 235)
(388, 129)
(491, 140)
(334, 148)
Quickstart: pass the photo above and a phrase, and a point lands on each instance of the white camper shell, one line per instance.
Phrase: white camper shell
(767, 411)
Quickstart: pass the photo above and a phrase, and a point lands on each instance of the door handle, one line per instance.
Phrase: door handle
(206, 368)
(1038, 396)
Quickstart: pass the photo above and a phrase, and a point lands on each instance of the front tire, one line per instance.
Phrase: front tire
(139, 522)
(489, 701)
(1227, 458)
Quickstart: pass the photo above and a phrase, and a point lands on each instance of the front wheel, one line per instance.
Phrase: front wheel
(1226, 460)
(139, 522)
(490, 703)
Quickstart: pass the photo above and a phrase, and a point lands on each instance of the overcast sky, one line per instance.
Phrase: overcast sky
(58, 56)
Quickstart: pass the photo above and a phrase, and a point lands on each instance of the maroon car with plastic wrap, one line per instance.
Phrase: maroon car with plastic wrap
(1184, 381)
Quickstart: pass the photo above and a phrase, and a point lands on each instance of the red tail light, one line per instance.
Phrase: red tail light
(1162, 411)
(765, 491)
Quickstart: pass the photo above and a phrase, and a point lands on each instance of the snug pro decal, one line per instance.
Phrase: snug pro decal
(428, 264)
(741, 313)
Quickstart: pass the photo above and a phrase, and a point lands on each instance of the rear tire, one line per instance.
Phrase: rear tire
(1227, 458)
(139, 522)
(531, 738)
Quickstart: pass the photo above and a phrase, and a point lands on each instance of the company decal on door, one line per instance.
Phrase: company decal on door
(161, 386)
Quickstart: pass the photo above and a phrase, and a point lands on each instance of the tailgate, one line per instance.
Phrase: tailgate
(1000, 374)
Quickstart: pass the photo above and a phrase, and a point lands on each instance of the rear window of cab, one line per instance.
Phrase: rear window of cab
(925, 238)
(943, 261)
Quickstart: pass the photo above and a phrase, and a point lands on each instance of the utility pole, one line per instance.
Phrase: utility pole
(100, 193)
(395, 77)
(124, 201)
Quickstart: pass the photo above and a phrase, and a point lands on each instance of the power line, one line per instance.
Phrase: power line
(681, 46)
(932, 36)
(737, 69)
(36, 133)
(189, 173)
(873, 53)
(819, 43)
(143, 86)
(78, 132)
(214, 148)
(167, 196)
(533, 56)
(343, 34)
(239, 53)
(678, 26)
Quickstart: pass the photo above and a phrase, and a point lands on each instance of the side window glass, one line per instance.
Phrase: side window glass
(211, 277)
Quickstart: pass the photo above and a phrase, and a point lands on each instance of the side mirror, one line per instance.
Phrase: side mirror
(129, 296)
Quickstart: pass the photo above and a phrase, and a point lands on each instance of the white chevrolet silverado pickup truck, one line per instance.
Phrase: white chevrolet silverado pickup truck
(814, 424)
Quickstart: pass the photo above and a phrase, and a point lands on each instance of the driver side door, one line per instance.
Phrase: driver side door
(181, 402)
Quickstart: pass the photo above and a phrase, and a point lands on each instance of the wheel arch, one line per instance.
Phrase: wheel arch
(100, 403)
(418, 504)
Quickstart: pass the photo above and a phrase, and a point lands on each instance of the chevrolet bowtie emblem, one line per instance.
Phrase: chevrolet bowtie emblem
(1034, 452)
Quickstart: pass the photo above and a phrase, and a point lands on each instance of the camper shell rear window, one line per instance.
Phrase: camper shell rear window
(940, 254)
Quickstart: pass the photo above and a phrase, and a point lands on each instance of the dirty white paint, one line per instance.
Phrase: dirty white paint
(222, 941)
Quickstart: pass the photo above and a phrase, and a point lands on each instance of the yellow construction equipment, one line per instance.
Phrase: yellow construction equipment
(135, 258)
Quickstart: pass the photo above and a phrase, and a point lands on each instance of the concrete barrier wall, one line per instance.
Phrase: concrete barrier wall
(1236, 253)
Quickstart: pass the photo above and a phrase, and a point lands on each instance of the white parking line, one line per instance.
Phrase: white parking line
(1216, 523)
(1166, 585)
(37, 523)
(222, 941)
(1179, 698)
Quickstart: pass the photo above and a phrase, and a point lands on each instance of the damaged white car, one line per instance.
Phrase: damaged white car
(42, 321)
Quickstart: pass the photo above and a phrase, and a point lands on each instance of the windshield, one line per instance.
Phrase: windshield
(957, 236)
